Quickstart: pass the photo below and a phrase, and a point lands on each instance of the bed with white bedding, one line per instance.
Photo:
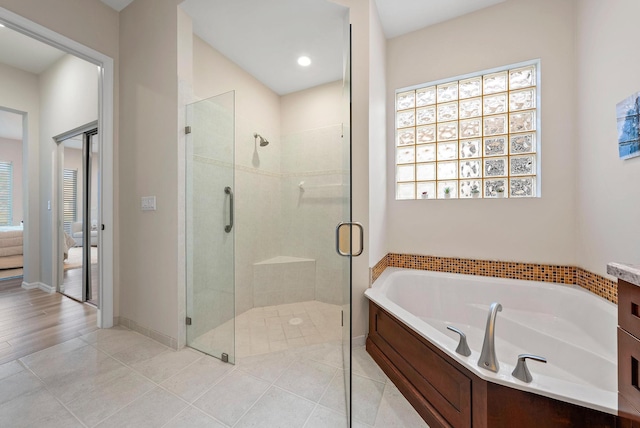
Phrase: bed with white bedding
(11, 244)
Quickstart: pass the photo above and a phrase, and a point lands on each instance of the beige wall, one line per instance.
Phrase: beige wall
(11, 151)
(311, 108)
(148, 161)
(377, 142)
(607, 187)
(68, 100)
(20, 91)
(539, 230)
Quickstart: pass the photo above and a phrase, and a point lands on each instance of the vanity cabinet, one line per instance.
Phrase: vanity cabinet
(628, 354)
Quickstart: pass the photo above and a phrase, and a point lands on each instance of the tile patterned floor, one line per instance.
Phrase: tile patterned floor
(119, 378)
(276, 328)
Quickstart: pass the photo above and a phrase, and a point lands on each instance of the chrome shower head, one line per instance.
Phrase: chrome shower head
(263, 141)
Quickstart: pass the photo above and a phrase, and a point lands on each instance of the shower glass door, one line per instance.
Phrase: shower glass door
(346, 215)
(209, 226)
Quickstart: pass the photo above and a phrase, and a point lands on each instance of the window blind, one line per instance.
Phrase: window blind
(70, 198)
(6, 193)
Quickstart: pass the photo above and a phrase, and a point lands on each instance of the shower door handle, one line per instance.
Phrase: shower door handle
(344, 243)
(229, 192)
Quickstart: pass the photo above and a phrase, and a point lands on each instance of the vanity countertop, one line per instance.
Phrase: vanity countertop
(627, 272)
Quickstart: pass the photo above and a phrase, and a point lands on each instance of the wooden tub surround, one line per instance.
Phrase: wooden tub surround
(446, 394)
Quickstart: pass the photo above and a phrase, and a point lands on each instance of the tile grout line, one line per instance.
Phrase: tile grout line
(272, 384)
(320, 399)
(44, 384)
(156, 384)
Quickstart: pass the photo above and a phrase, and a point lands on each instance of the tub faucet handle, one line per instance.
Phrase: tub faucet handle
(522, 371)
(463, 348)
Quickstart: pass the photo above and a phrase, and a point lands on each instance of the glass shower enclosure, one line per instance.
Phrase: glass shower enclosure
(268, 182)
(210, 229)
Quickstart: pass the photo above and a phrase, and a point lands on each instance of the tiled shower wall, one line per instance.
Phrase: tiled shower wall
(597, 284)
(274, 217)
(310, 214)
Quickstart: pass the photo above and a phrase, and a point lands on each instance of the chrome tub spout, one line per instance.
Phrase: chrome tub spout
(488, 358)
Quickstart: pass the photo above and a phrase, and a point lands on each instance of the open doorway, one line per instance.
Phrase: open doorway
(79, 176)
(42, 240)
(11, 196)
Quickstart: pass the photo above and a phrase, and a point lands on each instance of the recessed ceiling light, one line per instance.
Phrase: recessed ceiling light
(304, 61)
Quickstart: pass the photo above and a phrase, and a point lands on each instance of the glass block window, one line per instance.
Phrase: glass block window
(471, 137)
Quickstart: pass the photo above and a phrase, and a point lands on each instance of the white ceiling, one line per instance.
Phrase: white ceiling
(25, 53)
(265, 37)
(10, 125)
(399, 17)
(117, 4)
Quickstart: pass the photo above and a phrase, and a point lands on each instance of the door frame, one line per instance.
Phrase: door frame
(105, 316)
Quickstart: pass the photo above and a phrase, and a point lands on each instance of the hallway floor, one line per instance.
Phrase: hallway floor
(120, 378)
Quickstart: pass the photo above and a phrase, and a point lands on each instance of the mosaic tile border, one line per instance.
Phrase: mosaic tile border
(595, 283)
(598, 284)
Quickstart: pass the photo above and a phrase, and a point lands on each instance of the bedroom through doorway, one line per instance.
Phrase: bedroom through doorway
(11, 195)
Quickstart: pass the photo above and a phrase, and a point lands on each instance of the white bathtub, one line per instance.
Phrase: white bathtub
(574, 329)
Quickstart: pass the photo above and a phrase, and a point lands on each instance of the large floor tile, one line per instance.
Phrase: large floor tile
(114, 340)
(327, 353)
(326, 418)
(141, 350)
(10, 368)
(193, 418)
(191, 382)
(268, 367)
(334, 396)
(18, 384)
(396, 412)
(366, 396)
(307, 378)
(277, 408)
(363, 365)
(166, 364)
(71, 385)
(63, 358)
(51, 364)
(101, 335)
(230, 398)
(37, 408)
(104, 400)
(54, 352)
(153, 409)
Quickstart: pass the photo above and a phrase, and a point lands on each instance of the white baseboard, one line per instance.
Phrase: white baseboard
(29, 285)
(46, 288)
(39, 285)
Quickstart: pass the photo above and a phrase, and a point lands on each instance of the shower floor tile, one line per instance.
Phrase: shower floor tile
(276, 328)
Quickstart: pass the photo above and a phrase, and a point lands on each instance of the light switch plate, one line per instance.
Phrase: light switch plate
(148, 203)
